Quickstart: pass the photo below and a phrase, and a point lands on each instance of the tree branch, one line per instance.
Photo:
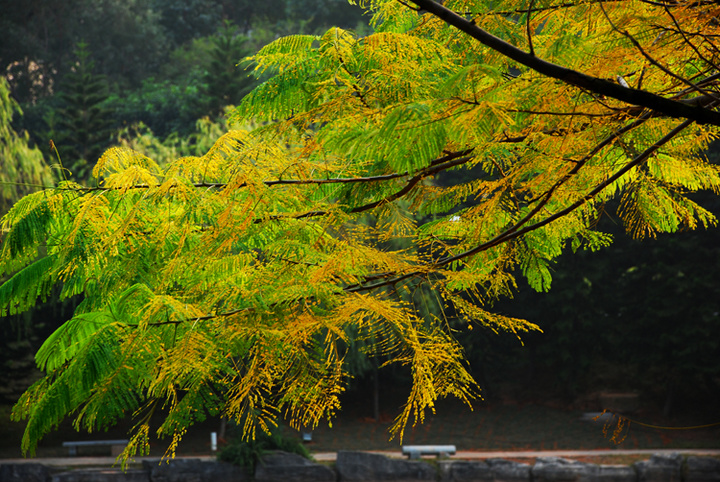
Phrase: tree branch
(452, 159)
(517, 229)
(514, 232)
(654, 62)
(687, 40)
(529, 29)
(412, 182)
(597, 85)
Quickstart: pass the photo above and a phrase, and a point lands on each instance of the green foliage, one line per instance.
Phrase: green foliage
(248, 453)
(125, 38)
(189, 19)
(202, 78)
(164, 106)
(141, 139)
(133, 41)
(229, 283)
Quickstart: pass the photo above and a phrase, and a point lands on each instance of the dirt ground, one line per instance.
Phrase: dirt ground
(488, 426)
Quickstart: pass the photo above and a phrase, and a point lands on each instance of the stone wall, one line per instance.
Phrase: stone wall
(369, 467)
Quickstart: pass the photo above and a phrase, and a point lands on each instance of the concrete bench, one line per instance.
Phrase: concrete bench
(416, 451)
(116, 446)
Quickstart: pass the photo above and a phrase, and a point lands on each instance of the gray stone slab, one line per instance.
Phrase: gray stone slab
(102, 475)
(615, 473)
(465, 471)
(414, 452)
(363, 466)
(555, 469)
(660, 468)
(287, 467)
(194, 470)
(702, 469)
(509, 471)
(25, 472)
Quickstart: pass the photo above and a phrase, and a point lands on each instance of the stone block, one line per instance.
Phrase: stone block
(363, 466)
(660, 468)
(465, 471)
(29, 472)
(193, 470)
(615, 473)
(102, 475)
(555, 469)
(509, 471)
(702, 469)
(287, 467)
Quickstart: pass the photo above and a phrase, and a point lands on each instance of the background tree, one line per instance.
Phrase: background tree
(225, 82)
(189, 20)
(82, 127)
(226, 284)
(22, 171)
(639, 318)
(132, 41)
(125, 37)
(154, 52)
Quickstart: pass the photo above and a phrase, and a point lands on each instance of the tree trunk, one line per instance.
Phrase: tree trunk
(376, 391)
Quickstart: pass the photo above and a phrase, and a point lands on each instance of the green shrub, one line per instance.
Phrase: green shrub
(247, 454)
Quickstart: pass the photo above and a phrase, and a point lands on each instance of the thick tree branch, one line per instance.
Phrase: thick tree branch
(596, 85)
(529, 29)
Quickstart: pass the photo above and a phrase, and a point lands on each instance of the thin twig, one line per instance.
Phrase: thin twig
(529, 29)
(687, 40)
(654, 62)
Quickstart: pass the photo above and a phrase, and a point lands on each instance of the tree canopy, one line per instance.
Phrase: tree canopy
(433, 161)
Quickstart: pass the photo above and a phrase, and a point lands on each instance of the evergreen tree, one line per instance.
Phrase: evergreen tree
(226, 83)
(82, 128)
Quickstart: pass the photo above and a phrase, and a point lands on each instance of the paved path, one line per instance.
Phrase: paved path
(330, 456)
(545, 453)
